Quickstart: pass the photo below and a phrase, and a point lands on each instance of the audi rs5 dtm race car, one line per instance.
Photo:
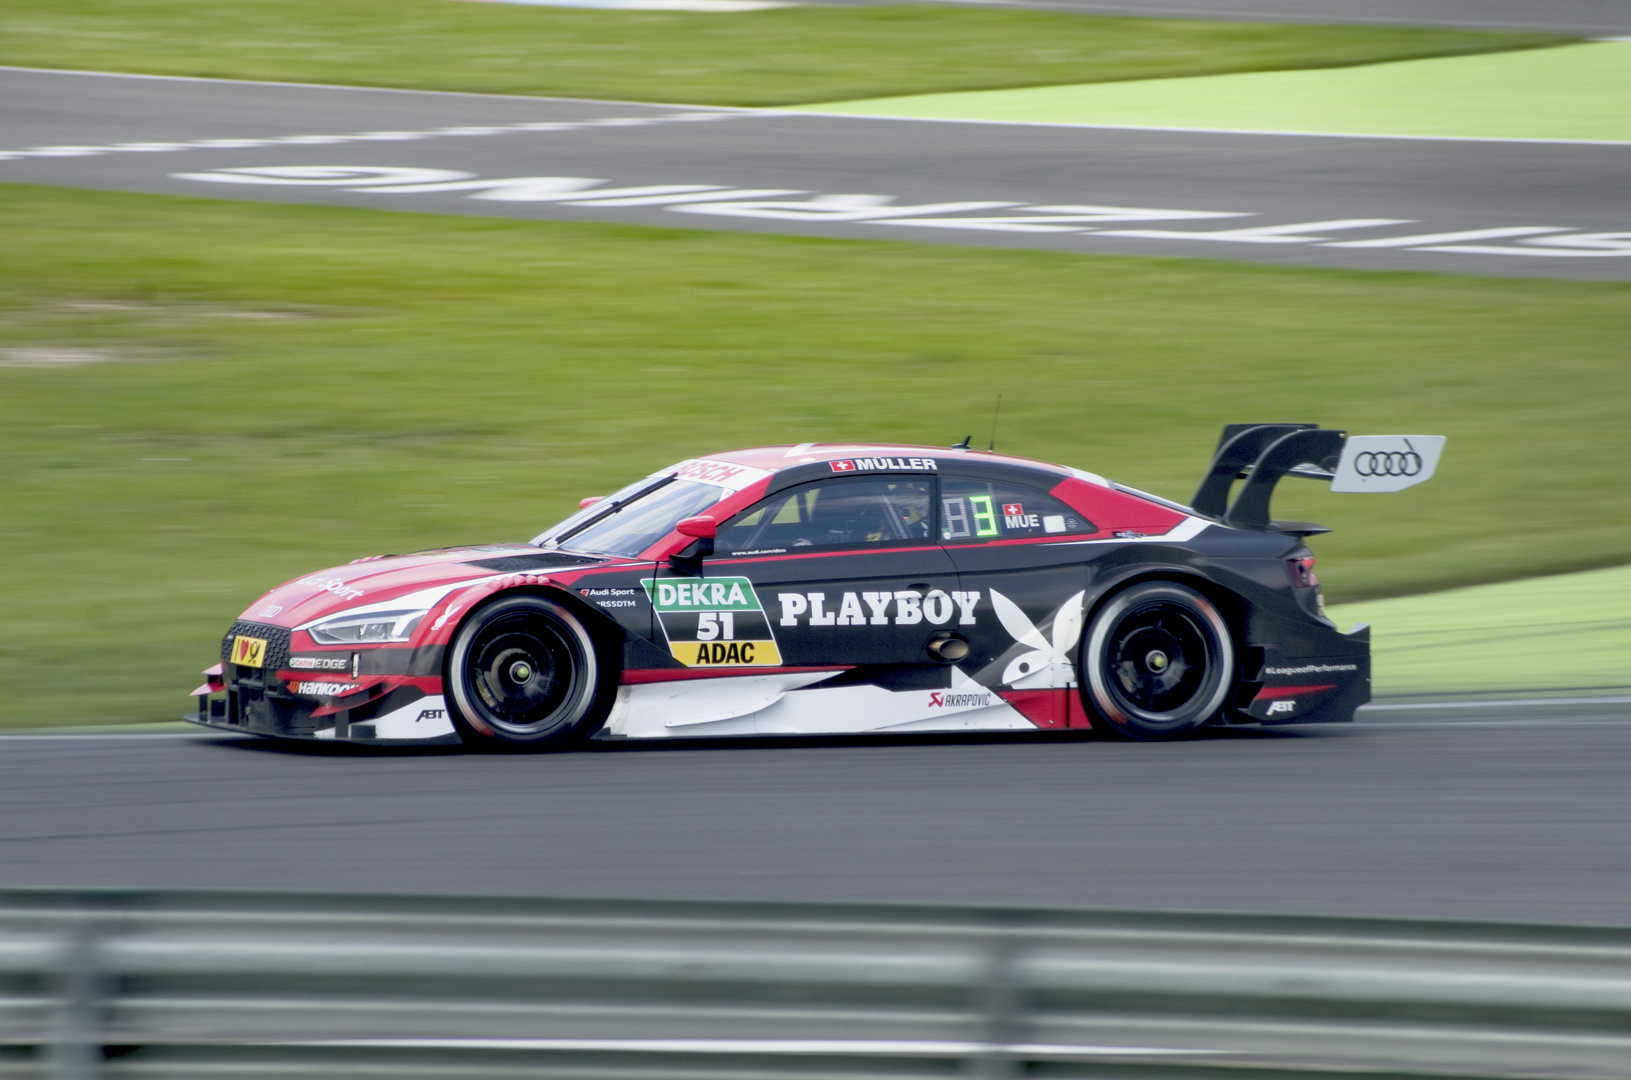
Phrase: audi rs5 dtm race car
(834, 589)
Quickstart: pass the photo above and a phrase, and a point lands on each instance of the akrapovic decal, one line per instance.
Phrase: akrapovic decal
(716, 622)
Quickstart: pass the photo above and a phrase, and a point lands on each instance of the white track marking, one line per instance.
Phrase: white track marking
(1263, 234)
(868, 209)
(529, 127)
(1449, 237)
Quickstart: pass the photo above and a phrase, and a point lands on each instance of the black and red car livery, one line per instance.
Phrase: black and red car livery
(823, 588)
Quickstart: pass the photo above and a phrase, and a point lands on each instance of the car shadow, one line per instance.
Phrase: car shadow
(314, 748)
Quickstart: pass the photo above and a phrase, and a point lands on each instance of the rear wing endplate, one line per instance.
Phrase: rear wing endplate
(1260, 454)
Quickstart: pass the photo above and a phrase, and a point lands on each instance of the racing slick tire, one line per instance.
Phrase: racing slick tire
(1157, 661)
(522, 674)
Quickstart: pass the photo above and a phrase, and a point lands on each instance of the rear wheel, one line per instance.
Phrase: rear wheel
(1157, 661)
(522, 673)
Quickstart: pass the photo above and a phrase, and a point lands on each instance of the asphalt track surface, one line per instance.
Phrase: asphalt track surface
(1511, 208)
(1604, 17)
(1502, 811)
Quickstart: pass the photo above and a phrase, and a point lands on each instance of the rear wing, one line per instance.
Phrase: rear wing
(1260, 454)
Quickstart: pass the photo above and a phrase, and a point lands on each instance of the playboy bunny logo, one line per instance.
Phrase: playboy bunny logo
(1047, 664)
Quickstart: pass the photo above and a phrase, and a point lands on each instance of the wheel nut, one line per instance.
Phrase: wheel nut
(520, 672)
(1155, 660)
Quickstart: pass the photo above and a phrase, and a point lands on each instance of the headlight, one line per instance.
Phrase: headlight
(374, 626)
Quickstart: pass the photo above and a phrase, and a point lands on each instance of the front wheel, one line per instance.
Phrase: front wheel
(1157, 661)
(522, 673)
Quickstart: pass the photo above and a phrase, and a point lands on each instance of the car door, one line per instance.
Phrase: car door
(838, 573)
(1010, 541)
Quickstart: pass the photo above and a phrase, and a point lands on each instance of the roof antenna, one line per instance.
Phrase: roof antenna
(994, 414)
(962, 445)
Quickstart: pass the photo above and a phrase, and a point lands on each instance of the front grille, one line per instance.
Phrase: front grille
(256, 703)
(276, 638)
(544, 560)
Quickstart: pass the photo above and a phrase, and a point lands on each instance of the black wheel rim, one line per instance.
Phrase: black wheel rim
(1159, 661)
(523, 674)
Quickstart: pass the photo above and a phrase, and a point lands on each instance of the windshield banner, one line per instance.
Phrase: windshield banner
(725, 474)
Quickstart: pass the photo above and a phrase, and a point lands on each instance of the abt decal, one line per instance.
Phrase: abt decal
(1276, 707)
(907, 607)
(714, 623)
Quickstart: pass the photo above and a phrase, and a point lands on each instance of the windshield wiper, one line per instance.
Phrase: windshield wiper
(613, 508)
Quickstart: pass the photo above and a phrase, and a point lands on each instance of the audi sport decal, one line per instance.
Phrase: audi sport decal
(1387, 462)
(717, 622)
(906, 607)
(332, 585)
(248, 651)
(718, 200)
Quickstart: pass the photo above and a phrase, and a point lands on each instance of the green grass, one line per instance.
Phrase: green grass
(307, 385)
(800, 54)
(1572, 630)
(1573, 92)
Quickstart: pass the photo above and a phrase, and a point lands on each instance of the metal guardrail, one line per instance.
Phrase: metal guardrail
(253, 986)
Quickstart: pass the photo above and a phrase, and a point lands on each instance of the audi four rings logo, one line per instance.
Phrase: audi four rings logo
(1389, 463)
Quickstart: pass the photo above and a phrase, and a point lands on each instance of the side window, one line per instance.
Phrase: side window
(832, 513)
(974, 511)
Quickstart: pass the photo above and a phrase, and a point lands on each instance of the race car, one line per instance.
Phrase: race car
(834, 589)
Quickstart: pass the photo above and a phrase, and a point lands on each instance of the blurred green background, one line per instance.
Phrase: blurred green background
(781, 57)
(201, 399)
(285, 388)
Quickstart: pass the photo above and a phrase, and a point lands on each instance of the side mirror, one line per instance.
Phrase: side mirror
(584, 504)
(703, 528)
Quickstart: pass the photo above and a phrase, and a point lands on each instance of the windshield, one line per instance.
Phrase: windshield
(651, 508)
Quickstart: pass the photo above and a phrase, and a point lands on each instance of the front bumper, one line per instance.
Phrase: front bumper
(275, 700)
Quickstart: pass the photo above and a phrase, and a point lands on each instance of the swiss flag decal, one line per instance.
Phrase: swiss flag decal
(842, 466)
(1012, 509)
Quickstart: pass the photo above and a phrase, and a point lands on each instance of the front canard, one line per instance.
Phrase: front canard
(715, 622)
